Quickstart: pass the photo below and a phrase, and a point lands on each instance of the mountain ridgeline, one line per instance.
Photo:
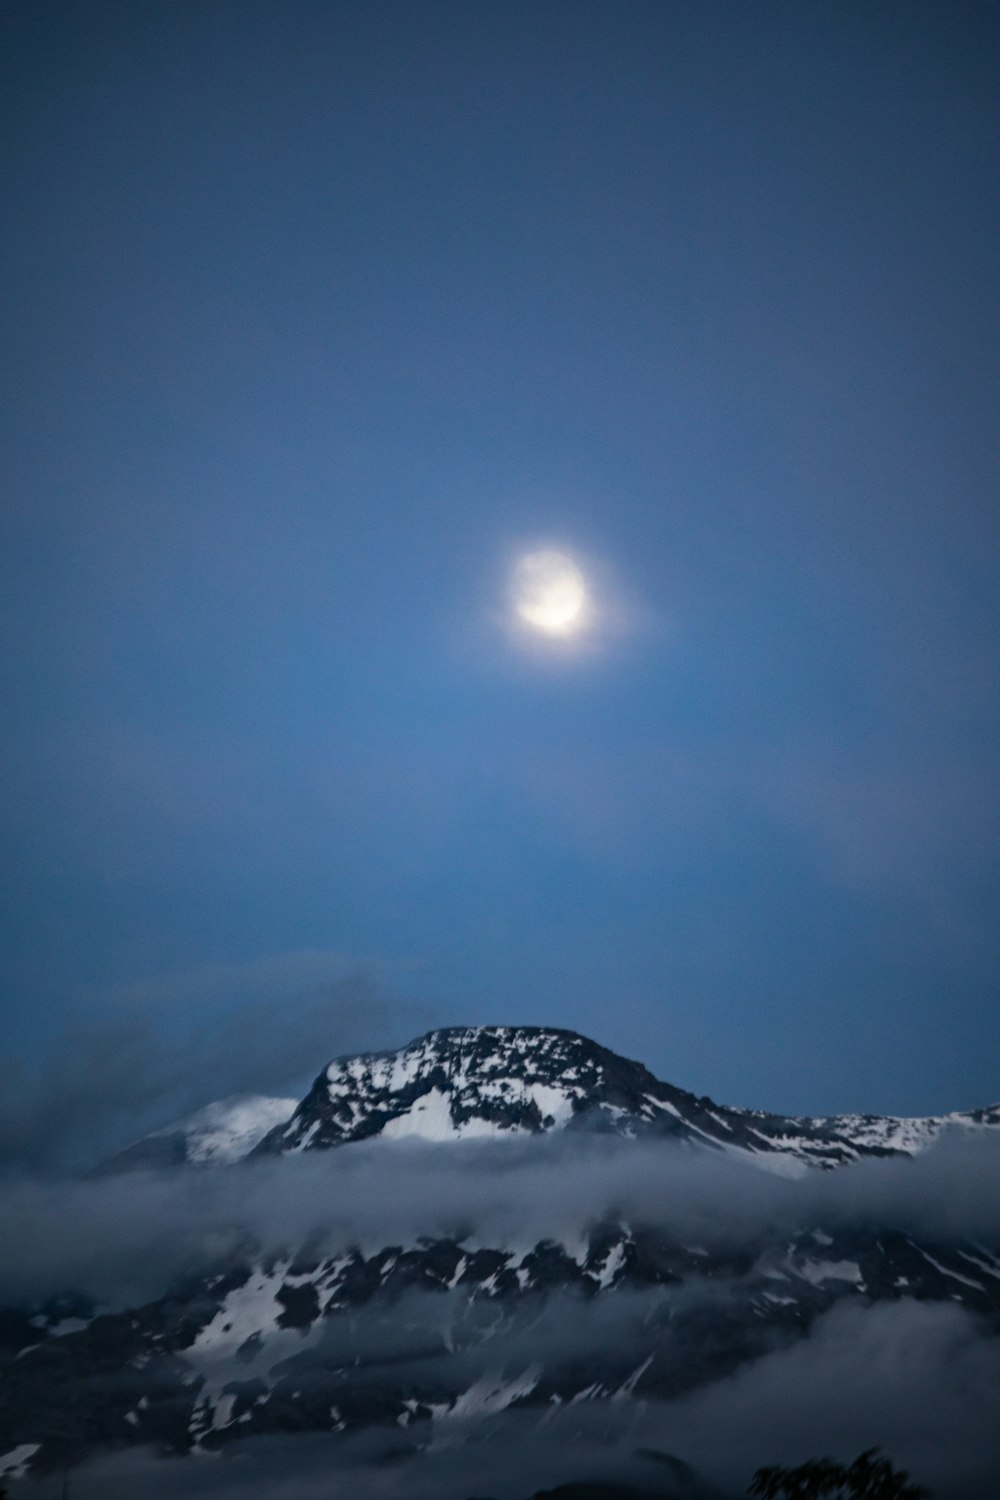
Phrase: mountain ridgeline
(356, 1328)
(476, 1082)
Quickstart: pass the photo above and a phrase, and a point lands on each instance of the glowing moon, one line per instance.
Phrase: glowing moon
(549, 592)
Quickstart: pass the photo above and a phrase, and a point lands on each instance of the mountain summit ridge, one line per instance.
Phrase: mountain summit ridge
(463, 1082)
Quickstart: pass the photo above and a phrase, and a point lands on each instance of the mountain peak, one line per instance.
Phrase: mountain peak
(469, 1082)
(464, 1081)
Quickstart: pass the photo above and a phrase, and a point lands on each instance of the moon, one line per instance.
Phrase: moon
(550, 592)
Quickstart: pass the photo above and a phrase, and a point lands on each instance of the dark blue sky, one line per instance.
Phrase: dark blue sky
(316, 317)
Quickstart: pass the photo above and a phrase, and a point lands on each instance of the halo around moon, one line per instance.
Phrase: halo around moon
(549, 592)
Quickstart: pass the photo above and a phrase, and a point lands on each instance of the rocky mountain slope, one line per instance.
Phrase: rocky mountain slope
(218, 1135)
(463, 1083)
(419, 1331)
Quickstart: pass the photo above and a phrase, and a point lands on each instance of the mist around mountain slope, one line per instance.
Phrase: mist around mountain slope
(771, 1342)
(130, 1059)
(921, 1379)
(217, 1135)
(121, 1238)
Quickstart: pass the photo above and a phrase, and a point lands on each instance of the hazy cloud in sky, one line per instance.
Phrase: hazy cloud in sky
(133, 1058)
(702, 296)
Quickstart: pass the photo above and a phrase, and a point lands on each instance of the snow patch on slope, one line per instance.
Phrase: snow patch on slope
(217, 1135)
(228, 1131)
(430, 1117)
(14, 1463)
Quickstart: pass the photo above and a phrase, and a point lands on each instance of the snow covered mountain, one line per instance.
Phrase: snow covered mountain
(463, 1083)
(479, 1082)
(218, 1135)
(355, 1328)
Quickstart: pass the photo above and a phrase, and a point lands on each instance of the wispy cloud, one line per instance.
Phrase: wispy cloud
(124, 1237)
(132, 1058)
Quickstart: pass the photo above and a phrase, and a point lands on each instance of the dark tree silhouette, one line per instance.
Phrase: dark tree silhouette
(869, 1477)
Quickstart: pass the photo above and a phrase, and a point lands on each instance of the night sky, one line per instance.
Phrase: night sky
(316, 318)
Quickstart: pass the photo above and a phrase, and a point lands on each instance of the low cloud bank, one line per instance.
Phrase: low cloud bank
(921, 1380)
(122, 1239)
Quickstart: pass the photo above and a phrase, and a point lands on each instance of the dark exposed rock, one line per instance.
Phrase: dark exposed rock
(264, 1346)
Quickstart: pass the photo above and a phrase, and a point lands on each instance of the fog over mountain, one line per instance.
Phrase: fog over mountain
(504, 1252)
